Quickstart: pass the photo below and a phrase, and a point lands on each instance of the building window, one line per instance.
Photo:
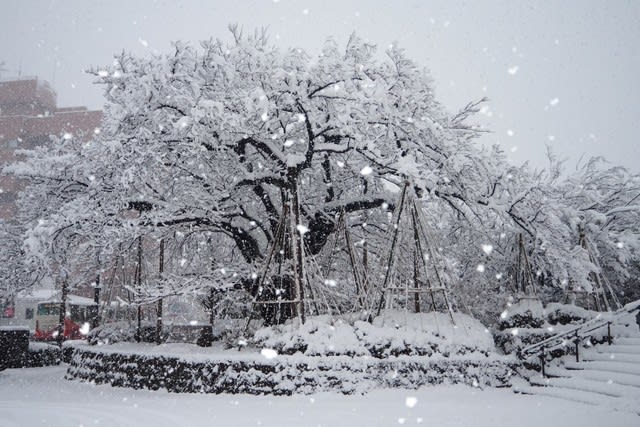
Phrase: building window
(6, 309)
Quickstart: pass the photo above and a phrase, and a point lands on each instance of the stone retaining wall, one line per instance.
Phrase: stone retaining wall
(283, 375)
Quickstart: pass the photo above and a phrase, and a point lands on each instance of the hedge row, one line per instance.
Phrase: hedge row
(17, 352)
(282, 375)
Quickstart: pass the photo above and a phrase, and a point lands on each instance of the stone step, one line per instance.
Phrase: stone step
(607, 388)
(608, 366)
(619, 348)
(589, 398)
(607, 355)
(618, 378)
(627, 341)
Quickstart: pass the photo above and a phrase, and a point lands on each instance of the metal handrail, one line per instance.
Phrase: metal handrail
(578, 332)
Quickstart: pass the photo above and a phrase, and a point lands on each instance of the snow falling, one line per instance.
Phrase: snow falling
(262, 223)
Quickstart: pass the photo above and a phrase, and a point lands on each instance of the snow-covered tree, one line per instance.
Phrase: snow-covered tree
(218, 139)
(16, 274)
(208, 146)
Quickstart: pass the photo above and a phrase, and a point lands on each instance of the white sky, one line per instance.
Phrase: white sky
(574, 65)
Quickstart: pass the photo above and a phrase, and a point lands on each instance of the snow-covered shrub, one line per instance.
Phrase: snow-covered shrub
(230, 331)
(513, 340)
(123, 331)
(564, 314)
(139, 366)
(393, 334)
(526, 313)
(521, 324)
(43, 354)
(319, 336)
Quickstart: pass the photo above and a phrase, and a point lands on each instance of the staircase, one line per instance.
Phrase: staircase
(605, 375)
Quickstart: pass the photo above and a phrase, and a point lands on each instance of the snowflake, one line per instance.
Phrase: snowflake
(366, 171)
(269, 353)
(84, 330)
(410, 401)
(512, 70)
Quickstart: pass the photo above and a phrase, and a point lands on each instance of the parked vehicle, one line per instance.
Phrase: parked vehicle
(79, 315)
(20, 310)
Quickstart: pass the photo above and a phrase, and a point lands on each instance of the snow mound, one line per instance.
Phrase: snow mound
(393, 334)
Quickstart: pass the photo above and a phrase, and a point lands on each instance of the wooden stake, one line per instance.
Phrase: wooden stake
(298, 255)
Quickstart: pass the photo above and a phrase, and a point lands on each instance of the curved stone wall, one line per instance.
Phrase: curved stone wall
(283, 375)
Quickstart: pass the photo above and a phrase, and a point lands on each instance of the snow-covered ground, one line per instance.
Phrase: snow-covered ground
(42, 397)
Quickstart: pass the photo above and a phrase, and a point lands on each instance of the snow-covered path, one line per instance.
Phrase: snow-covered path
(42, 397)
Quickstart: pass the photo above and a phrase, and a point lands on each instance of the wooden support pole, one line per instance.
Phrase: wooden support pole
(298, 254)
(417, 254)
(416, 283)
(394, 241)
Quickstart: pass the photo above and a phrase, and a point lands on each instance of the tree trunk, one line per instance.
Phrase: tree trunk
(95, 321)
(63, 312)
(139, 290)
(159, 309)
